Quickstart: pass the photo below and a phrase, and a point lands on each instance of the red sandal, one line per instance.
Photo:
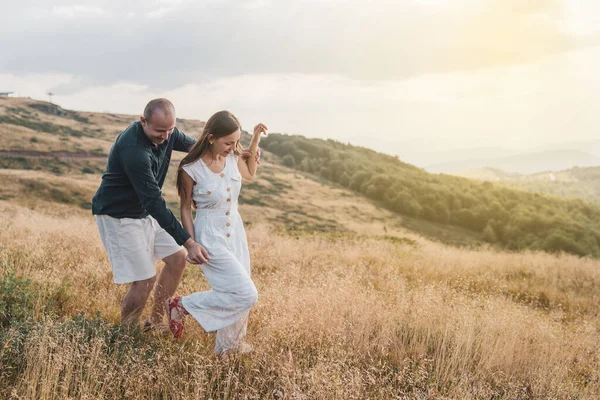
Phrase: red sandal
(176, 314)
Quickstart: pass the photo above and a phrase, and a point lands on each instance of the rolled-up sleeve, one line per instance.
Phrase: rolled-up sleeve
(137, 167)
(182, 141)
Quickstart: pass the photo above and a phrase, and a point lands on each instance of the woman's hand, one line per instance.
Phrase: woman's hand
(260, 128)
(247, 153)
(197, 254)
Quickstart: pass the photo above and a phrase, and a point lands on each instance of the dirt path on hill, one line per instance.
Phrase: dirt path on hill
(61, 154)
(49, 154)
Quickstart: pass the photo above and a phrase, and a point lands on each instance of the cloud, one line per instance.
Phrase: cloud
(35, 85)
(455, 73)
(377, 40)
(76, 11)
(160, 12)
(519, 106)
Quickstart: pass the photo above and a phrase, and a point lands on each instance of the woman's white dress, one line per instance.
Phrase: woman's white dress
(219, 228)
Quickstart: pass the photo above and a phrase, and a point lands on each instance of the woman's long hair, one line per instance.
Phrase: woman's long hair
(220, 124)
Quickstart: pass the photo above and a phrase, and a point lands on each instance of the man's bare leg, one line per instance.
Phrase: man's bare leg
(168, 280)
(135, 300)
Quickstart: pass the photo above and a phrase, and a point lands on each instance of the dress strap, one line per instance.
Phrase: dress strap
(233, 160)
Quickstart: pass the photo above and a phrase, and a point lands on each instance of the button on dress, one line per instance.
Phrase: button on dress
(219, 228)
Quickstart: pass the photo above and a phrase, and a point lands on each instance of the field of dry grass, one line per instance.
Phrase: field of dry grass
(339, 316)
(354, 302)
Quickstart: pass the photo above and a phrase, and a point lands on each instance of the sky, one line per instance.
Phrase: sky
(400, 76)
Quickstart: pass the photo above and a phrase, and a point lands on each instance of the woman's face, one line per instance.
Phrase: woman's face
(225, 145)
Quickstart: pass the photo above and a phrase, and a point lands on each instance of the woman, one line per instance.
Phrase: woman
(210, 178)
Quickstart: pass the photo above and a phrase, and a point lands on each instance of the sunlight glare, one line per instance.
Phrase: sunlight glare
(431, 2)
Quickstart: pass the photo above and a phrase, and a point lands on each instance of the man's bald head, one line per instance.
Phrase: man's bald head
(163, 106)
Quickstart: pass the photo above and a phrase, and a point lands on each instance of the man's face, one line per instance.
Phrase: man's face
(226, 144)
(159, 127)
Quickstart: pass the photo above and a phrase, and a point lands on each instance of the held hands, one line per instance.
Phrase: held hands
(197, 254)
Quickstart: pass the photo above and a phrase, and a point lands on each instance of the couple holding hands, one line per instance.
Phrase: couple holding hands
(138, 229)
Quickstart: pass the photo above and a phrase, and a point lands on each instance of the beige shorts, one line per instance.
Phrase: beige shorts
(134, 246)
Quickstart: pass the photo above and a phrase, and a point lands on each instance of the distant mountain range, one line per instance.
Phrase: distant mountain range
(435, 156)
(588, 146)
(582, 183)
(524, 163)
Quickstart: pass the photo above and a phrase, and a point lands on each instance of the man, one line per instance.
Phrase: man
(136, 227)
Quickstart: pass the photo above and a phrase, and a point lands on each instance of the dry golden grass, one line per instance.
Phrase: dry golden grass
(22, 139)
(17, 137)
(103, 128)
(35, 188)
(348, 318)
(376, 312)
(307, 199)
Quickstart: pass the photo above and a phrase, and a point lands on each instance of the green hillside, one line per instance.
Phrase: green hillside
(44, 137)
(513, 219)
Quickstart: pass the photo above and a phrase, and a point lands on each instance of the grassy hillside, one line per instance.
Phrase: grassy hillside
(54, 150)
(33, 125)
(512, 219)
(341, 317)
(354, 302)
(447, 208)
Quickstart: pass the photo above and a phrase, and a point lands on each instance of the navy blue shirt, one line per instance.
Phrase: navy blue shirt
(135, 173)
